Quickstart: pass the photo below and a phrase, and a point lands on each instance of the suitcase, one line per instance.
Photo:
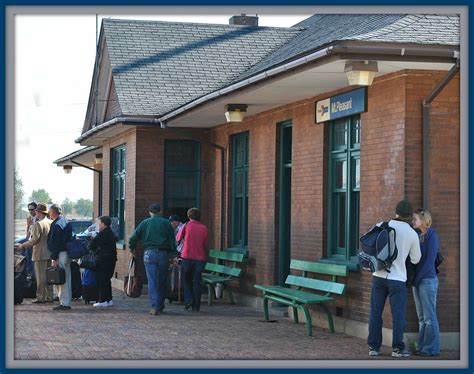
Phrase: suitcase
(89, 286)
(55, 275)
(19, 286)
(76, 283)
(175, 284)
(29, 289)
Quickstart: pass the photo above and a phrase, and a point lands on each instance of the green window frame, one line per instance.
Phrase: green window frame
(182, 176)
(117, 186)
(344, 189)
(239, 196)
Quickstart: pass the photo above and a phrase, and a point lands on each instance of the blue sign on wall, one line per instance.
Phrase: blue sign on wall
(343, 105)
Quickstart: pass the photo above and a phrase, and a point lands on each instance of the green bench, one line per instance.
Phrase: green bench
(299, 299)
(216, 273)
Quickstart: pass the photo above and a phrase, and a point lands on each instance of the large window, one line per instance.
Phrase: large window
(117, 187)
(182, 177)
(240, 172)
(344, 188)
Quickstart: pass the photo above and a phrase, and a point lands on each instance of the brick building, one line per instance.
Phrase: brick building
(314, 162)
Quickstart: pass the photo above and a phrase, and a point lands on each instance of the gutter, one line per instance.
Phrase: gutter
(312, 57)
(426, 104)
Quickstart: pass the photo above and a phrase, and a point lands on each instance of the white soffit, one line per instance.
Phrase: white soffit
(279, 92)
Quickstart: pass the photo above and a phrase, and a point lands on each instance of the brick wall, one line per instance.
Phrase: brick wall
(444, 190)
(391, 166)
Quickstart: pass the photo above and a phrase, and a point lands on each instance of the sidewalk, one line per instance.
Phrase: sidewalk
(222, 332)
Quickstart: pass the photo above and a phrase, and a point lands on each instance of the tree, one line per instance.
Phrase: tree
(40, 196)
(67, 206)
(84, 207)
(19, 193)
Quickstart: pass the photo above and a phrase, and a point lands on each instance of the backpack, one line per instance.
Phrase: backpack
(379, 248)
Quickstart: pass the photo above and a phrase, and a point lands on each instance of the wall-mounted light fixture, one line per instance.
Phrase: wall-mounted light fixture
(98, 158)
(361, 72)
(235, 112)
(67, 169)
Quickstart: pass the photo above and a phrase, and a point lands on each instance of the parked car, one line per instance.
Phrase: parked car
(79, 226)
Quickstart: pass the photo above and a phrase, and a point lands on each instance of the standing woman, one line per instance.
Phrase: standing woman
(105, 248)
(425, 286)
(193, 257)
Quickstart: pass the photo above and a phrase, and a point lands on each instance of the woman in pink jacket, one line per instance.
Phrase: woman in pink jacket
(194, 257)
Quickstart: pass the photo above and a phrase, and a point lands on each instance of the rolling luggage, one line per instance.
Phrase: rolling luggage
(76, 283)
(29, 289)
(175, 284)
(89, 286)
(19, 278)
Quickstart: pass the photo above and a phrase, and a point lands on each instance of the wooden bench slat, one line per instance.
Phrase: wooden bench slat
(319, 267)
(226, 256)
(235, 272)
(294, 295)
(316, 284)
(213, 278)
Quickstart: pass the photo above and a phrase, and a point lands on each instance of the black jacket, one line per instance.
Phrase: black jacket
(104, 245)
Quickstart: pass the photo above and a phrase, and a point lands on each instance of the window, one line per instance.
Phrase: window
(117, 186)
(344, 188)
(240, 170)
(182, 177)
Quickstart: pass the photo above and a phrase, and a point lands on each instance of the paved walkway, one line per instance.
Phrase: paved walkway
(222, 332)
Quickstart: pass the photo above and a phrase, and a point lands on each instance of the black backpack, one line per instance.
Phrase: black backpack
(378, 248)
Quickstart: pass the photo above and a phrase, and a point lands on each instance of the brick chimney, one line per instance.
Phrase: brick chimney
(243, 20)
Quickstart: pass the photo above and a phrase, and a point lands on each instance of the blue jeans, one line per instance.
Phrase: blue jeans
(425, 303)
(156, 266)
(192, 282)
(396, 292)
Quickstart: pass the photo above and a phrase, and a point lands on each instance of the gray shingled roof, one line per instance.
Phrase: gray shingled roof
(326, 29)
(159, 66)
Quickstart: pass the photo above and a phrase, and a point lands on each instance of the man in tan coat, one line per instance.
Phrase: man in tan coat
(41, 256)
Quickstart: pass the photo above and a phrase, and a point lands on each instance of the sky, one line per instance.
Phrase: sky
(54, 61)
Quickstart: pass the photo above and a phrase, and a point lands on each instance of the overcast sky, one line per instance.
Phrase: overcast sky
(54, 60)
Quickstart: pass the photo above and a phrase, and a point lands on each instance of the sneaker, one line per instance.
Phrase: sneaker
(188, 306)
(110, 303)
(100, 305)
(373, 352)
(38, 302)
(397, 352)
(154, 312)
(62, 307)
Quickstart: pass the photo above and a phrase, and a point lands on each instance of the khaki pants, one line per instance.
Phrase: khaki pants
(43, 291)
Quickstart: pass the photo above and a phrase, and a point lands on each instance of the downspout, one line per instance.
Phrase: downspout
(100, 183)
(426, 104)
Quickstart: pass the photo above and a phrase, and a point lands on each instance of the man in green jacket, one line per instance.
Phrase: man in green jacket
(157, 237)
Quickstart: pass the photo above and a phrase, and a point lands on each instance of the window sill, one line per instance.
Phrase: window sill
(351, 265)
(121, 245)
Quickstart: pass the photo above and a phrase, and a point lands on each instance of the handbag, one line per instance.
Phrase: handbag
(132, 285)
(88, 261)
(76, 248)
(438, 261)
(55, 276)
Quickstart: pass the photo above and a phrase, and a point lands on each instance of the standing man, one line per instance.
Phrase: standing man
(159, 241)
(59, 234)
(393, 285)
(28, 251)
(40, 255)
(176, 224)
